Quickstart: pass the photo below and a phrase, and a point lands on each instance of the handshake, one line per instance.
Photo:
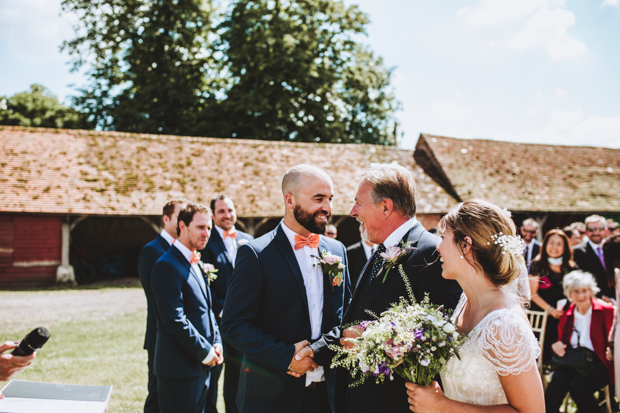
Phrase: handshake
(303, 360)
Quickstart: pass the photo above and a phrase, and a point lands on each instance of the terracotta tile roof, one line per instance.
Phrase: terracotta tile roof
(524, 177)
(112, 173)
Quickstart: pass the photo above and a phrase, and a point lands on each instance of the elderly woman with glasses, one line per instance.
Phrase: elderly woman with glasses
(587, 323)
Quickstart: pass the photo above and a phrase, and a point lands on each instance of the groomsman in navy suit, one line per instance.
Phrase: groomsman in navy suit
(221, 251)
(589, 255)
(148, 257)
(188, 339)
(279, 299)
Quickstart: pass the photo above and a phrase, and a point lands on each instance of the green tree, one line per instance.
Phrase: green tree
(148, 62)
(39, 107)
(297, 73)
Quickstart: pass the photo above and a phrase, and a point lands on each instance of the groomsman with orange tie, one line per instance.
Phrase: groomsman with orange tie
(148, 257)
(221, 251)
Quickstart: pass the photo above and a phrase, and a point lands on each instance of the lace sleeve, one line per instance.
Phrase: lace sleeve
(508, 342)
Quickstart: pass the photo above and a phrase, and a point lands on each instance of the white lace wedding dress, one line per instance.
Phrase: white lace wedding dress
(501, 344)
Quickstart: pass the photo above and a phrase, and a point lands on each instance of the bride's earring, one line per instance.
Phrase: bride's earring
(462, 257)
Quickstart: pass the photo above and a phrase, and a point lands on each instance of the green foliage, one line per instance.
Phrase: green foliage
(273, 70)
(148, 63)
(39, 107)
(298, 74)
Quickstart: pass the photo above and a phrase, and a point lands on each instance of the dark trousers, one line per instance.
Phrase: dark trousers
(183, 395)
(212, 393)
(316, 399)
(152, 404)
(581, 388)
(232, 361)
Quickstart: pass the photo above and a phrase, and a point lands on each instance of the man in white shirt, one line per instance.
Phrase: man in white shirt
(188, 339)
(279, 299)
(148, 257)
(529, 231)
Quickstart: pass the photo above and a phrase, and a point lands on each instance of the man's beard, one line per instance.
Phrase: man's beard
(308, 221)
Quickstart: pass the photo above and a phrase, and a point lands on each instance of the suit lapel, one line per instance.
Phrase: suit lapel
(162, 241)
(220, 242)
(284, 246)
(187, 265)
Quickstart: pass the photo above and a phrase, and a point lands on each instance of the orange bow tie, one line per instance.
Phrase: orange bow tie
(232, 234)
(195, 258)
(312, 241)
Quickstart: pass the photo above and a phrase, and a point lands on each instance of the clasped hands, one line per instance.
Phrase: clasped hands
(219, 355)
(303, 360)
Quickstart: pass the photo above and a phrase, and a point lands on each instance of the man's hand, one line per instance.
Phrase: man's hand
(219, 353)
(350, 333)
(300, 365)
(10, 365)
(304, 352)
(559, 348)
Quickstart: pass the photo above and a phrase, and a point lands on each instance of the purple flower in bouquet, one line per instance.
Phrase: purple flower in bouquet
(419, 334)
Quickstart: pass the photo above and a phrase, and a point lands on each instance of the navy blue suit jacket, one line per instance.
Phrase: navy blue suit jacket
(149, 255)
(423, 271)
(266, 313)
(216, 253)
(186, 329)
(587, 259)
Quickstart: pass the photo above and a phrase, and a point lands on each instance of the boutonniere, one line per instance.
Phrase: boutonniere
(209, 270)
(393, 255)
(331, 265)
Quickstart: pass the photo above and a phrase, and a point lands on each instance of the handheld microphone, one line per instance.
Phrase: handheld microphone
(32, 342)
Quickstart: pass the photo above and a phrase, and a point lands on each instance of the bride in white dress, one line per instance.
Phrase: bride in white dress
(497, 370)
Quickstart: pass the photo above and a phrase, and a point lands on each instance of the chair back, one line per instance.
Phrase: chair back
(538, 321)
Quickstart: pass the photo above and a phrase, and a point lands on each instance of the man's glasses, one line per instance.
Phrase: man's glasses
(595, 229)
(529, 231)
(330, 233)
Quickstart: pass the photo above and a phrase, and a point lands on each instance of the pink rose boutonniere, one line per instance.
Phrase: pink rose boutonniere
(331, 265)
(393, 255)
(209, 270)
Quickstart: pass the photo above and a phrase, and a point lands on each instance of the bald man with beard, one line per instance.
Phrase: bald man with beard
(279, 300)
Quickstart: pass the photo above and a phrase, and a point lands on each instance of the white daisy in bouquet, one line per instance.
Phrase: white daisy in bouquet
(413, 340)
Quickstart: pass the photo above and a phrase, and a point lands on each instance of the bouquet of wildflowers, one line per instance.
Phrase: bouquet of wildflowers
(413, 340)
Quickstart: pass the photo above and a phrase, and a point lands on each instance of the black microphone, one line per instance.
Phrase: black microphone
(32, 342)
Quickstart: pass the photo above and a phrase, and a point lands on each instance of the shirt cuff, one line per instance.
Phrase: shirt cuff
(221, 314)
(209, 357)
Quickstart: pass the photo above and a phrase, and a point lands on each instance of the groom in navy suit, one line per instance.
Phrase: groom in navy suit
(188, 339)
(221, 251)
(278, 299)
(148, 257)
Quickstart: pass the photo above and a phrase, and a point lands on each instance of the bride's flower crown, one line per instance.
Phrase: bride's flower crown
(510, 244)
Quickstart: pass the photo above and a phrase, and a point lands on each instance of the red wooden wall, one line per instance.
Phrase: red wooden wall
(30, 250)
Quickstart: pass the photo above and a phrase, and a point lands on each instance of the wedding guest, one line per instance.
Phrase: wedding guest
(573, 235)
(612, 229)
(590, 257)
(221, 252)
(496, 368)
(529, 231)
(612, 262)
(587, 323)
(149, 255)
(358, 255)
(546, 273)
(581, 227)
(331, 231)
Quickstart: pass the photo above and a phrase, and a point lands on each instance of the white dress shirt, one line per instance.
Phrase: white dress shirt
(169, 239)
(394, 238)
(313, 281)
(187, 253)
(230, 243)
(368, 250)
(582, 324)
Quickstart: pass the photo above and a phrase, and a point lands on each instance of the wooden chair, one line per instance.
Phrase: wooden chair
(606, 401)
(538, 321)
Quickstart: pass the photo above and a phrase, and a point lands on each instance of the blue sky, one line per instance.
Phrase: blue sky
(542, 71)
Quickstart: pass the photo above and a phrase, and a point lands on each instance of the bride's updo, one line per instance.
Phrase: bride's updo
(483, 222)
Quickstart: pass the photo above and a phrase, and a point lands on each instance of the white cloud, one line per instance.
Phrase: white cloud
(549, 28)
(560, 92)
(33, 29)
(570, 128)
(496, 12)
(612, 3)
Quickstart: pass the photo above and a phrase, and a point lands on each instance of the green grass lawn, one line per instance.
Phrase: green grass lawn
(107, 352)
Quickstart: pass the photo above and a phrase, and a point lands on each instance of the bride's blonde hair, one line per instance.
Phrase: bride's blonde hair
(480, 221)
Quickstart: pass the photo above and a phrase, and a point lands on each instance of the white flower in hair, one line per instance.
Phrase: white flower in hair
(510, 244)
